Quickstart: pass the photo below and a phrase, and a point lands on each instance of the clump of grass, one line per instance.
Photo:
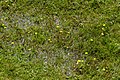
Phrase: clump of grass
(59, 39)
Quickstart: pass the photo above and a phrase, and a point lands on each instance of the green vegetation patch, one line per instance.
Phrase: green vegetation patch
(59, 40)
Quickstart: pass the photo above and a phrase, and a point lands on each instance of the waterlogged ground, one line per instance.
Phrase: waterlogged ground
(59, 40)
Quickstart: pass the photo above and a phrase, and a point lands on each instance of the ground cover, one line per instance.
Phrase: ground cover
(59, 39)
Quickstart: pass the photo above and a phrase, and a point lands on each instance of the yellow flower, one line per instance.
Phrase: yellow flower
(67, 47)
(94, 58)
(41, 18)
(104, 25)
(36, 33)
(103, 69)
(12, 43)
(103, 29)
(5, 27)
(57, 26)
(48, 39)
(6, 1)
(78, 61)
(68, 32)
(29, 49)
(3, 24)
(102, 33)
(29, 32)
(1, 19)
(91, 40)
(86, 52)
(61, 31)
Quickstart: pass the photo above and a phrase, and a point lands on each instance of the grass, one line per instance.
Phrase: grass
(59, 40)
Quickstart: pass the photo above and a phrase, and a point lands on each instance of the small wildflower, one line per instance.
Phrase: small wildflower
(36, 33)
(57, 26)
(12, 42)
(102, 34)
(86, 52)
(82, 60)
(6, 1)
(28, 32)
(3, 24)
(78, 61)
(94, 58)
(68, 32)
(91, 40)
(61, 31)
(67, 47)
(5, 27)
(103, 69)
(1, 19)
(68, 53)
(103, 29)
(13, 4)
(29, 49)
(104, 25)
(41, 18)
(48, 39)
